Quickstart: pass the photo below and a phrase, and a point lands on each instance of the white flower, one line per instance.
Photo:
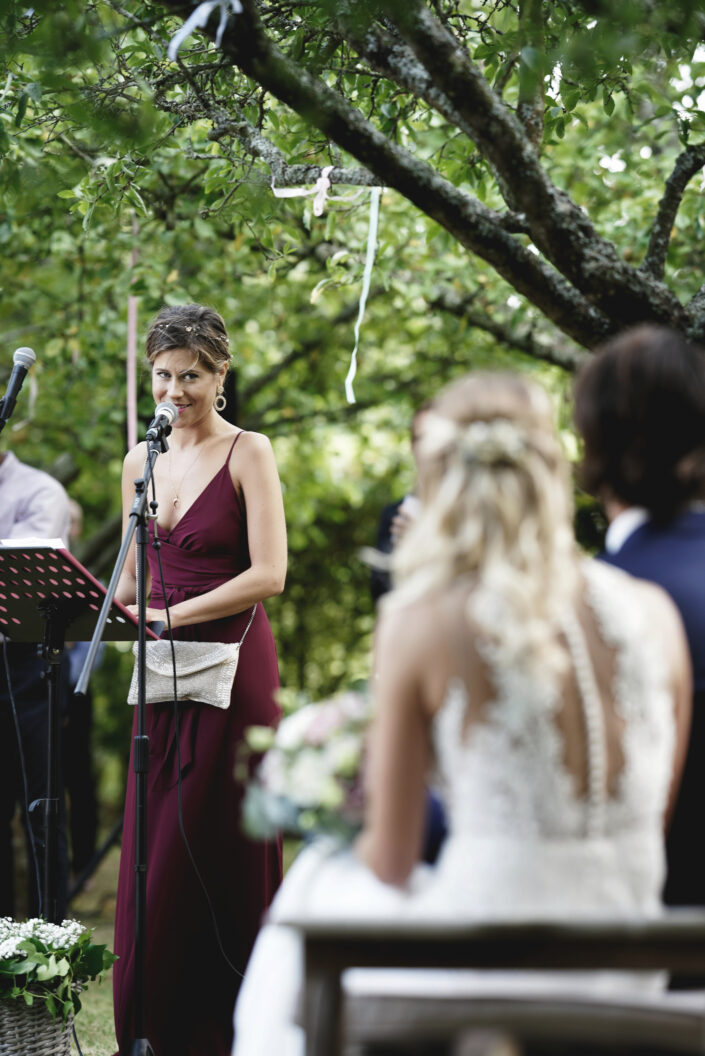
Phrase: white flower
(292, 729)
(342, 754)
(56, 937)
(273, 773)
(310, 779)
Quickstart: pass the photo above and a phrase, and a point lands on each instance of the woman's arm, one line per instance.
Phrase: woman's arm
(256, 472)
(132, 470)
(400, 754)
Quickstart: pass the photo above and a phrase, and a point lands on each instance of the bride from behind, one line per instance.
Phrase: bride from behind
(549, 694)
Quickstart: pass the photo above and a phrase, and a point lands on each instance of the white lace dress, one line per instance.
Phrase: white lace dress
(522, 842)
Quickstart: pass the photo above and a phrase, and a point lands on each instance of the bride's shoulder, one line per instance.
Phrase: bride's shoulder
(615, 590)
(420, 624)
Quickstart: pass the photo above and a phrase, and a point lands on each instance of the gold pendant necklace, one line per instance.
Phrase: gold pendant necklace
(176, 501)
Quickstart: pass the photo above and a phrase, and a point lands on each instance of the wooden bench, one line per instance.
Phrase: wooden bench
(671, 1020)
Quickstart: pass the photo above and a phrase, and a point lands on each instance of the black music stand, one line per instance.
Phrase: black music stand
(45, 593)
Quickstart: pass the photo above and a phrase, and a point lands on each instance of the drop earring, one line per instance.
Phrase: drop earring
(220, 401)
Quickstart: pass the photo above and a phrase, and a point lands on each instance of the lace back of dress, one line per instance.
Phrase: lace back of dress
(593, 720)
(502, 761)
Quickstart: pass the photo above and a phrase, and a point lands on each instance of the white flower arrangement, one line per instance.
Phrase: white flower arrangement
(49, 962)
(310, 779)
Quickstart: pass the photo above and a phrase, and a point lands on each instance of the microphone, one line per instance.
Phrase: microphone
(164, 415)
(23, 360)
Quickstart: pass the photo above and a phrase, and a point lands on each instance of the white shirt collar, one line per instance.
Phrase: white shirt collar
(624, 525)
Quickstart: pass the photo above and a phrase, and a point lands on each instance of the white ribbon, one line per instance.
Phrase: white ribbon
(199, 19)
(367, 275)
(319, 191)
(320, 196)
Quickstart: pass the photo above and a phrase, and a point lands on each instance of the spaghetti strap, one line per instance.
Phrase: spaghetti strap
(237, 437)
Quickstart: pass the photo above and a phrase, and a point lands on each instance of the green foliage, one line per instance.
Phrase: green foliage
(123, 174)
(49, 962)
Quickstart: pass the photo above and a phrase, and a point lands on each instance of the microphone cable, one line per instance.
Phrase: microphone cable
(177, 731)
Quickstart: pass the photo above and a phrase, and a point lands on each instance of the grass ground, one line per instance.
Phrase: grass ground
(95, 907)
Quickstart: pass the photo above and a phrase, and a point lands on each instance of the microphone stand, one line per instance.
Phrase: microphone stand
(140, 756)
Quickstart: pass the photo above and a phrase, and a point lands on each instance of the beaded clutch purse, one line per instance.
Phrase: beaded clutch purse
(205, 671)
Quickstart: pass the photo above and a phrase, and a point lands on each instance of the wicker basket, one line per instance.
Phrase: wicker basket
(30, 1030)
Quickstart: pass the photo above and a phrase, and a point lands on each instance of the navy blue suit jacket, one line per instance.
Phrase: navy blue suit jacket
(673, 555)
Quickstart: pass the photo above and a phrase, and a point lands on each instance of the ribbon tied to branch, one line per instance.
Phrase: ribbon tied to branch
(199, 20)
(320, 195)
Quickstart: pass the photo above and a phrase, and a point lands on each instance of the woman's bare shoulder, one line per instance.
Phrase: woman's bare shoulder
(135, 457)
(655, 605)
(418, 626)
(252, 443)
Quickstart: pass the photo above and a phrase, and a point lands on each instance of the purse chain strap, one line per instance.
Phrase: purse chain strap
(249, 623)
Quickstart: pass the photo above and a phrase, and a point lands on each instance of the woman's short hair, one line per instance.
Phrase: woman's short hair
(191, 326)
(640, 408)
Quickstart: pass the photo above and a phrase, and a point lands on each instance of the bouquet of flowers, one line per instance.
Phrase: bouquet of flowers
(311, 776)
(49, 962)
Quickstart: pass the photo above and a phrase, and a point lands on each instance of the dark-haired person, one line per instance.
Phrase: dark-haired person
(223, 549)
(397, 517)
(640, 407)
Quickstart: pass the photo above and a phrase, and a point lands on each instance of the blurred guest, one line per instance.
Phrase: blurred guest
(640, 407)
(397, 516)
(394, 522)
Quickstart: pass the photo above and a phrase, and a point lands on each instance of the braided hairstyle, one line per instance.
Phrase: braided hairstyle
(496, 508)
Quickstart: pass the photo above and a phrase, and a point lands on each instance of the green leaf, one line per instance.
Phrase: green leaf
(21, 108)
(48, 970)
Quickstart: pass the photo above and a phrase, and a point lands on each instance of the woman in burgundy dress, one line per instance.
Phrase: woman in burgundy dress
(223, 551)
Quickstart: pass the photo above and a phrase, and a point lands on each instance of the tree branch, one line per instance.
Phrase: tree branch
(283, 174)
(687, 164)
(567, 357)
(559, 227)
(696, 312)
(396, 61)
(472, 224)
(531, 94)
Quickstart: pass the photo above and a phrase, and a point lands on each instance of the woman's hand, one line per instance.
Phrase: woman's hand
(153, 615)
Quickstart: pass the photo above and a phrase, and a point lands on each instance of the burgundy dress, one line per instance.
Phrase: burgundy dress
(191, 990)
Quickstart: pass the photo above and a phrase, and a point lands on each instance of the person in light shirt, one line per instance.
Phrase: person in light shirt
(32, 505)
(640, 408)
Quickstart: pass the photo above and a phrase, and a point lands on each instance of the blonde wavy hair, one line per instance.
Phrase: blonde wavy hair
(496, 507)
